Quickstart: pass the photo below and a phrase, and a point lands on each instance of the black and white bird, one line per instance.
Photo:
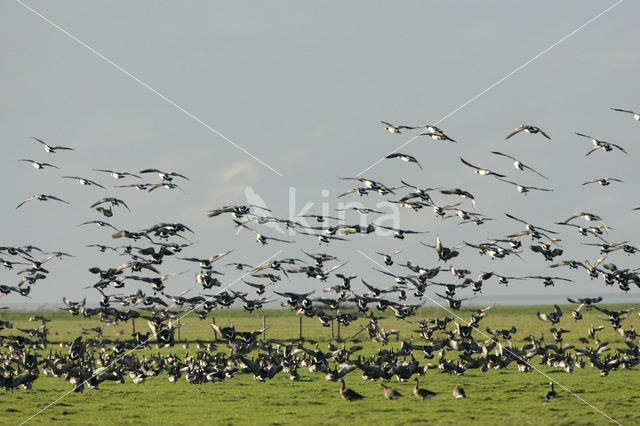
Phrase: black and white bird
(42, 197)
(600, 144)
(636, 116)
(602, 181)
(552, 393)
(395, 129)
(528, 129)
(51, 149)
(37, 165)
(480, 170)
(437, 136)
(262, 239)
(165, 176)
(518, 164)
(84, 181)
(116, 174)
(525, 189)
(405, 157)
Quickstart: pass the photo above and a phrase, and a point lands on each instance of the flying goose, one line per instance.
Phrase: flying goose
(602, 181)
(481, 171)
(405, 157)
(433, 129)
(51, 149)
(99, 223)
(164, 184)
(588, 302)
(36, 165)
(636, 115)
(573, 264)
(387, 257)
(590, 217)
(528, 129)
(444, 253)
(262, 239)
(454, 304)
(400, 233)
(348, 394)
(598, 144)
(115, 174)
(548, 281)
(422, 393)
(518, 164)
(552, 317)
(41, 197)
(319, 218)
(422, 193)
(389, 393)
(237, 211)
(533, 230)
(114, 202)
(239, 266)
(361, 190)
(395, 129)
(361, 210)
(140, 186)
(206, 263)
(372, 185)
(165, 176)
(524, 189)
(437, 136)
(594, 230)
(461, 193)
(83, 181)
(413, 205)
(322, 238)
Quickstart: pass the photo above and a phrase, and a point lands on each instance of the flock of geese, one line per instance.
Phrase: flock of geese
(87, 362)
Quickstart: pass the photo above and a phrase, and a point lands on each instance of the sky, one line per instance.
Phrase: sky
(287, 97)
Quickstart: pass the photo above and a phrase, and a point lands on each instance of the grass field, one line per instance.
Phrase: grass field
(505, 396)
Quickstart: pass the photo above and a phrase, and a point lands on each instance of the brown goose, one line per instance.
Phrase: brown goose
(390, 393)
(422, 393)
(348, 394)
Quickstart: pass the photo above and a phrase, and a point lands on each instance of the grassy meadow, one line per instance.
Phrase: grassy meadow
(505, 396)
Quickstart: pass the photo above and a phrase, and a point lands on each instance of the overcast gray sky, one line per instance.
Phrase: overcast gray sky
(303, 87)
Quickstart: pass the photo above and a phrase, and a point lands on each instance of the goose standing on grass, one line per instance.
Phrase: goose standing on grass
(348, 394)
(389, 393)
(422, 393)
(552, 393)
(458, 393)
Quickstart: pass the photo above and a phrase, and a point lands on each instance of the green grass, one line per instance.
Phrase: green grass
(505, 396)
